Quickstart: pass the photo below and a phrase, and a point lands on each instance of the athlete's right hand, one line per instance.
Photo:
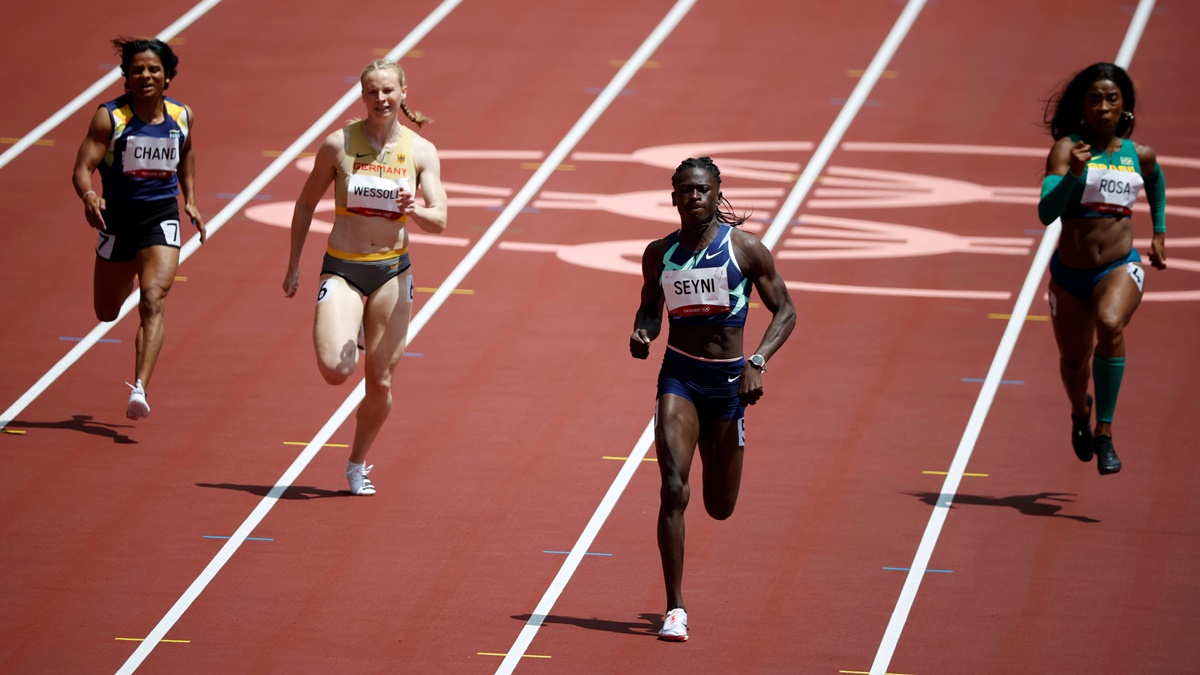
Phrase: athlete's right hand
(93, 210)
(291, 282)
(639, 344)
(1080, 154)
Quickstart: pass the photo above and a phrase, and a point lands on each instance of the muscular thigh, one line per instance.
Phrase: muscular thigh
(1119, 293)
(339, 314)
(387, 314)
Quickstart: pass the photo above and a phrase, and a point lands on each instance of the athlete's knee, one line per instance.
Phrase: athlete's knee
(153, 300)
(379, 387)
(674, 493)
(106, 311)
(1075, 362)
(719, 509)
(1110, 326)
(335, 372)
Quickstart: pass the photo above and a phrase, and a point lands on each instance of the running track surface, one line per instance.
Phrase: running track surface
(520, 386)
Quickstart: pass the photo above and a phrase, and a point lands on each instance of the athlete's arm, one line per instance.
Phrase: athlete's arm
(1156, 194)
(187, 179)
(648, 321)
(323, 173)
(773, 293)
(1064, 167)
(432, 216)
(91, 153)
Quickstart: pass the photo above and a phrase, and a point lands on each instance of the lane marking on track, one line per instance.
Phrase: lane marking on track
(327, 445)
(1041, 259)
(99, 86)
(14, 432)
(431, 289)
(908, 569)
(9, 140)
(863, 672)
(1031, 317)
(67, 338)
(538, 165)
(226, 536)
(965, 475)
(524, 656)
(644, 459)
(608, 555)
(782, 220)
(978, 380)
(142, 639)
(268, 502)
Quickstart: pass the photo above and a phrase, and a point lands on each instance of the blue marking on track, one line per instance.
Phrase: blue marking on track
(78, 339)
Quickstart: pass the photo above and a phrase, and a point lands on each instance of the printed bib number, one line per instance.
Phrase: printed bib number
(696, 292)
(1111, 191)
(375, 196)
(1135, 271)
(170, 230)
(105, 244)
(146, 157)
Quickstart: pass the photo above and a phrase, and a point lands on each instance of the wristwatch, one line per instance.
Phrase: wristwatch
(758, 362)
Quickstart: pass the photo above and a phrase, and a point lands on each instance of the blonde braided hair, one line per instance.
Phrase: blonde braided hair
(417, 117)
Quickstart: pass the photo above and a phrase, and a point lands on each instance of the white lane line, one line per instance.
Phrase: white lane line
(966, 446)
(99, 86)
(780, 223)
(268, 502)
(231, 209)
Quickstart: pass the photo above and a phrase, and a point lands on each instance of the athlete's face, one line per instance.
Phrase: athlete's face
(695, 197)
(382, 92)
(1102, 106)
(145, 77)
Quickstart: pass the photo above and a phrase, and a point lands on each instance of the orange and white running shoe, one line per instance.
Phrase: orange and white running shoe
(675, 627)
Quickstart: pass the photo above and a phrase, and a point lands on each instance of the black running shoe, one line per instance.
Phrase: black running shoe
(1106, 456)
(1081, 433)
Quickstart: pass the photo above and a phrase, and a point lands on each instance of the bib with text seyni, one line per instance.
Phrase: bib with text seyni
(374, 196)
(696, 292)
(149, 157)
(1109, 189)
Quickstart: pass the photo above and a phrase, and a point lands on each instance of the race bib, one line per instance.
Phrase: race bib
(146, 157)
(696, 292)
(375, 196)
(170, 230)
(1111, 191)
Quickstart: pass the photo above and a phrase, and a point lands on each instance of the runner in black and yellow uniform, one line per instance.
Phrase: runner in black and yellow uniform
(1093, 177)
(376, 166)
(142, 145)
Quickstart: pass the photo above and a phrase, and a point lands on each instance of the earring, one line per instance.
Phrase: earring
(1127, 115)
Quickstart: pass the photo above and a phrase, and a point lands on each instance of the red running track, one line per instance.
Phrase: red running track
(495, 451)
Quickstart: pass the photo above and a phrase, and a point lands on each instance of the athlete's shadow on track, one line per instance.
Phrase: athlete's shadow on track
(293, 492)
(647, 626)
(1030, 505)
(82, 423)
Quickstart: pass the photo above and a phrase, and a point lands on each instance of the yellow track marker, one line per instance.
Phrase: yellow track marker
(276, 153)
(1030, 317)
(16, 432)
(9, 140)
(412, 53)
(327, 445)
(887, 74)
(144, 639)
(622, 459)
(864, 672)
(617, 63)
(943, 473)
(524, 656)
(180, 278)
(457, 291)
(538, 165)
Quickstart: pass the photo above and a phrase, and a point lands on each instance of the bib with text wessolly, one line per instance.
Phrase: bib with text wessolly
(696, 292)
(149, 157)
(1110, 190)
(375, 196)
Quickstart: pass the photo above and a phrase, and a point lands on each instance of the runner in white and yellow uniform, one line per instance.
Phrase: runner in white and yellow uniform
(376, 166)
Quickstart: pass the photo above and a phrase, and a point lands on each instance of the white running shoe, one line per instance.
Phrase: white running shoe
(359, 483)
(675, 627)
(137, 408)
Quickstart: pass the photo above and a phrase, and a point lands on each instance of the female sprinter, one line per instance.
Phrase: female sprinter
(142, 144)
(703, 273)
(376, 166)
(1093, 177)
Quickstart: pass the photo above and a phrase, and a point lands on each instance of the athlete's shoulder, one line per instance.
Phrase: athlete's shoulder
(1145, 154)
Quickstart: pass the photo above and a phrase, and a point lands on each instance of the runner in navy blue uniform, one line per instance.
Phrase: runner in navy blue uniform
(142, 144)
(703, 273)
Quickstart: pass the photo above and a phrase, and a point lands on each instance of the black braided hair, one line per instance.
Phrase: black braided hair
(1064, 110)
(725, 212)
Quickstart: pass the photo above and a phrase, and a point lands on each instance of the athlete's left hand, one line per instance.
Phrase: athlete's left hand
(750, 388)
(197, 220)
(1158, 251)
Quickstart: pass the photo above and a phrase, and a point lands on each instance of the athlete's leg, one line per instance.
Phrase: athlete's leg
(385, 323)
(1074, 329)
(721, 446)
(112, 282)
(335, 328)
(1115, 299)
(156, 273)
(676, 431)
